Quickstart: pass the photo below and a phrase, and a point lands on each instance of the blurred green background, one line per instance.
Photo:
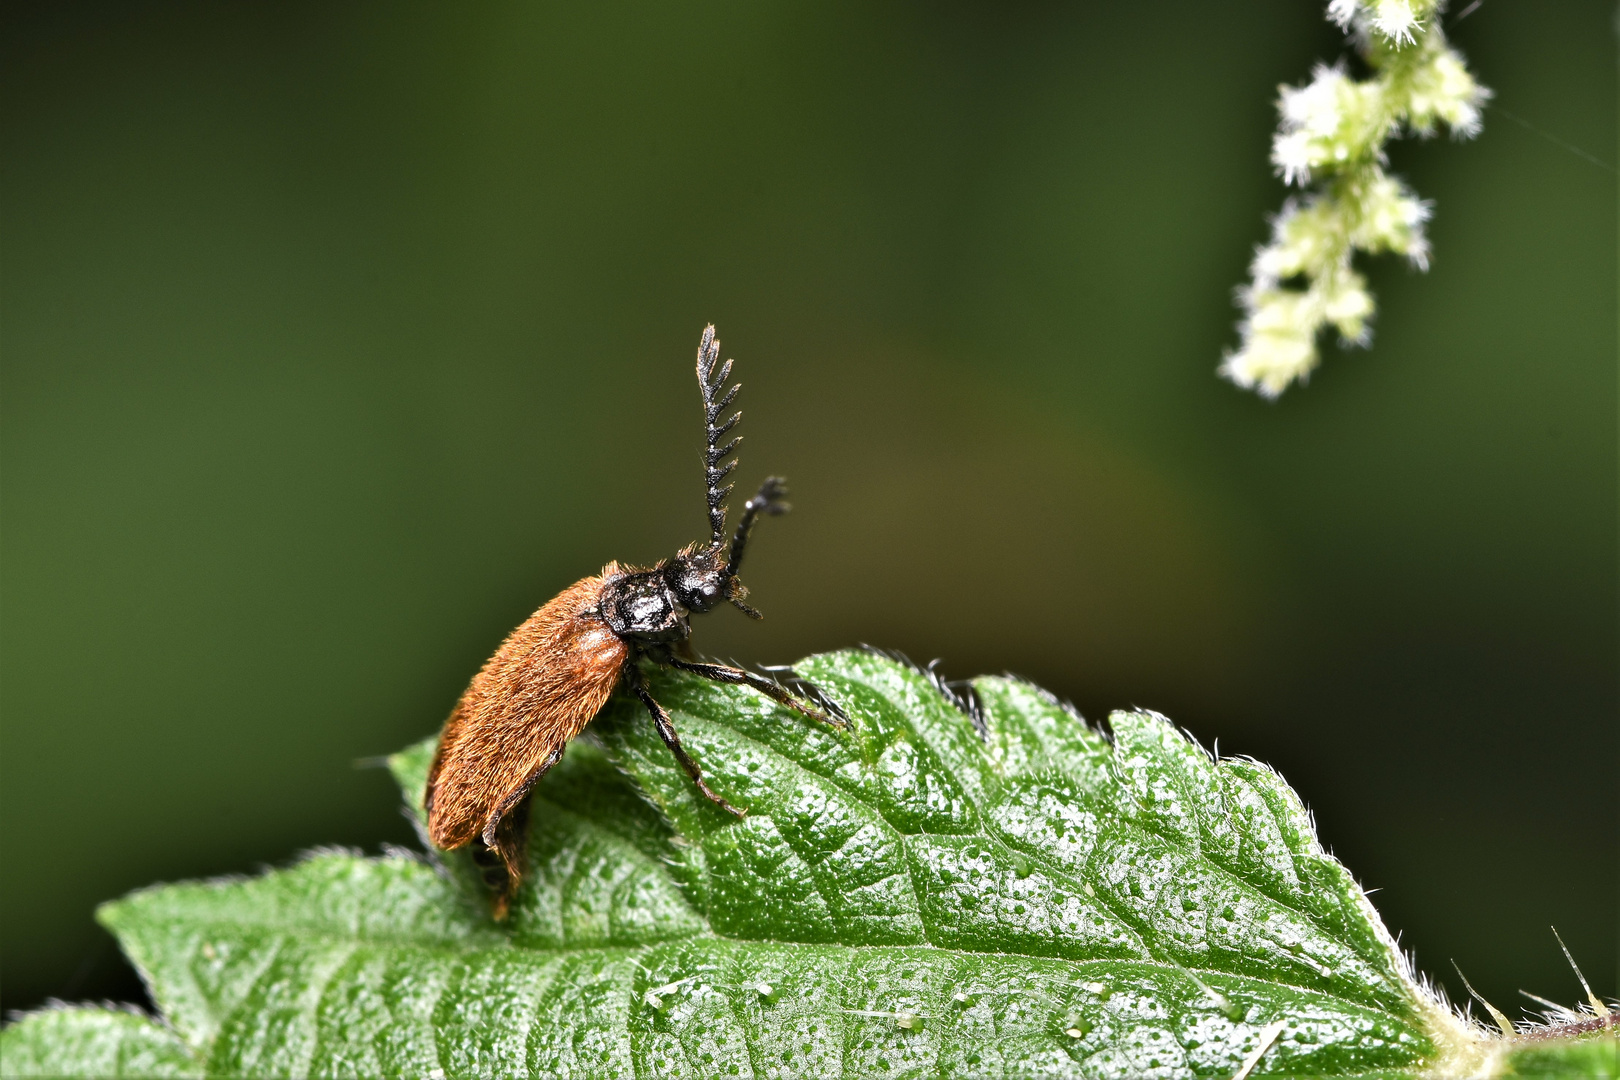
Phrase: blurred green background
(336, 338)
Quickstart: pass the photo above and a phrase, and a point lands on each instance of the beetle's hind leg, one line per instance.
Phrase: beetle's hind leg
(738, 677)
(501, 863)
(666, 731)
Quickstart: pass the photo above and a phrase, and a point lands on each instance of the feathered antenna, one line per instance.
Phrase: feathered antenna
(714, 403)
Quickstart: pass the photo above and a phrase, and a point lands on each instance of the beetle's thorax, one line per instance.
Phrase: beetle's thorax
(640, 606)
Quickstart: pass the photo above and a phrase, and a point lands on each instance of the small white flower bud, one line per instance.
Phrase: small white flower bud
(1279, 341)
(1343, 11)
(1391, 219)
(1329, 121)
(1399, 20)
(1442, 91)
(1348, 305)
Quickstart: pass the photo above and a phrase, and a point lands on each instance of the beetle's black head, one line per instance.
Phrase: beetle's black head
(699, 579)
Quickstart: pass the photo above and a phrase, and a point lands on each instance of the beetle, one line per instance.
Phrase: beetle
(557, 670)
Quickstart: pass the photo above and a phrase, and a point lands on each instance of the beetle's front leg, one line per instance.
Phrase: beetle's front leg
(666, 731)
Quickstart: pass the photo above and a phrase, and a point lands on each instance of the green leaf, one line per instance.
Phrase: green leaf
(99, 1042)
(929, 893)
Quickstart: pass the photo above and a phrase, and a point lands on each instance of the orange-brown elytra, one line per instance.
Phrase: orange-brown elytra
(556, 671)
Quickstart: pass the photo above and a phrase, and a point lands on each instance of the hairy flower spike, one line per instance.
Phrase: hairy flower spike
(1331, 139)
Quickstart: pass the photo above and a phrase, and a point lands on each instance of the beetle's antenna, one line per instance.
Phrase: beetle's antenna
(768, 500)
(715, 402)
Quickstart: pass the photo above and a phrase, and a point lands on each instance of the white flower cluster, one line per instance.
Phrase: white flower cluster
(1331, 140)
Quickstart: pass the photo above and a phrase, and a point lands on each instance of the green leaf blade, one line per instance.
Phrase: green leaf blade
(95, 1043)
(916, 896)
(207, 947)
